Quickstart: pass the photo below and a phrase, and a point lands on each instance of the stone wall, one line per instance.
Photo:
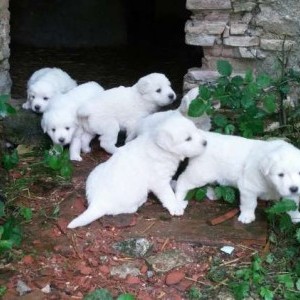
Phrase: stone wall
(5, 81)
(249, 34)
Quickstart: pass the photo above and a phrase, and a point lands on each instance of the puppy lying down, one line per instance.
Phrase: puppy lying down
(121, 184)
(267, 170)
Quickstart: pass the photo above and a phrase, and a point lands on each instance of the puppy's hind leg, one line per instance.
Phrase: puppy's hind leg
(87, 217)
(109, 137)
(85, 142)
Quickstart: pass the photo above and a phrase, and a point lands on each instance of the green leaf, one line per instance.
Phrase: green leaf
(224, 68)
(266, 293)
(99, 294)
(269, 102)
(2, 290)
(286, 280)
(2, 209)
(126, 297)
(5, 245)
(298, 284)
(66, 171)
(26, 213)
(240, 290)
(220, 120)
(297, 234)
(229, 194)
(282, 206)
(190, 194)
(247, 101)
(197, 108)
(237, 80)
(9, 161)
(12, 232)
(249, 76)
(263, 80)
(229, 129)
(200, 194)
(204, 92)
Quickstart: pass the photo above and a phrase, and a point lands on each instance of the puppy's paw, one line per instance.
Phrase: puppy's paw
(246, 217)
(177, 209)
(75, 157)
(295, 216)
(26, 105)
(86, 149)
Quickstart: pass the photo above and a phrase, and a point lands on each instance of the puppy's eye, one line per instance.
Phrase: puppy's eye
(67, 128)
(281, 175)
(188, 139)
(32, 97)
(46, 98)
(53, 129)
(158, 91)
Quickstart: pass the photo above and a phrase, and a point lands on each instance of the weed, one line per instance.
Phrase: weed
(104, 294)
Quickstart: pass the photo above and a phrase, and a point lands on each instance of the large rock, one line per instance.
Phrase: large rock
(24, 128)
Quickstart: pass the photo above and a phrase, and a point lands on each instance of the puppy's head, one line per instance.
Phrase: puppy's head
(39, 95)
(156, 88)
(60, 126)
(180, 136)
(281, 167)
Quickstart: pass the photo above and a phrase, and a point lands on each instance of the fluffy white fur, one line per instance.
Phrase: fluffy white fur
(59, 120)
(267, 170)
(44, 85)
(121, 184)
(149, 122)
(120, 108)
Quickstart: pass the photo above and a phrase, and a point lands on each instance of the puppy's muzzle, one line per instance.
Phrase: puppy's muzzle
(37, 108)
(294, 189)
(61, 140)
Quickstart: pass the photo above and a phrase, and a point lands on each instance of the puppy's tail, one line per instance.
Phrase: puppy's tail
(87, 217)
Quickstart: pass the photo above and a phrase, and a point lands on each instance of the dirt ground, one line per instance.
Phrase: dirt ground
(75, 262)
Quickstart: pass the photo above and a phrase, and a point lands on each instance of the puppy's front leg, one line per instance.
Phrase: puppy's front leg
(248, 203)
(167, 197)
(75, 147)
(295, 214)
(182, 187)
(85, 142)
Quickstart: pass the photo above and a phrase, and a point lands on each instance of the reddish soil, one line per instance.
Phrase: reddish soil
(75, 262)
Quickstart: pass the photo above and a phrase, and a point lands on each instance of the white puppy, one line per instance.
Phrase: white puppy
(45, 84)
(149, 122)
(120, 108)
(203, 122)
(259, 169)
(121, 184)
(59, 120)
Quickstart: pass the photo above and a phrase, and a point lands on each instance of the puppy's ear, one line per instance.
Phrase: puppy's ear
(164, 139)
(267, 163)
(184, 105)
(143, 86)
(43, 124)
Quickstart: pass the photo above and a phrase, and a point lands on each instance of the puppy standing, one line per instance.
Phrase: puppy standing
(121, 184)
(45, 84)
(120, 108)
(59, 120)
(259, 169)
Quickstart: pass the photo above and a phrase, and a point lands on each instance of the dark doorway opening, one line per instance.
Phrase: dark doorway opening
(113, 42)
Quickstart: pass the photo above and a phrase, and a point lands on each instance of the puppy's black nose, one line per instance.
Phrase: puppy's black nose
(37, 107)
(61, 140)
(204, 143)
(294, 189)
(171, 96)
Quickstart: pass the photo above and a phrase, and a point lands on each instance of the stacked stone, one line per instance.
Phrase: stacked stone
(5, 81)
(249, 34)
